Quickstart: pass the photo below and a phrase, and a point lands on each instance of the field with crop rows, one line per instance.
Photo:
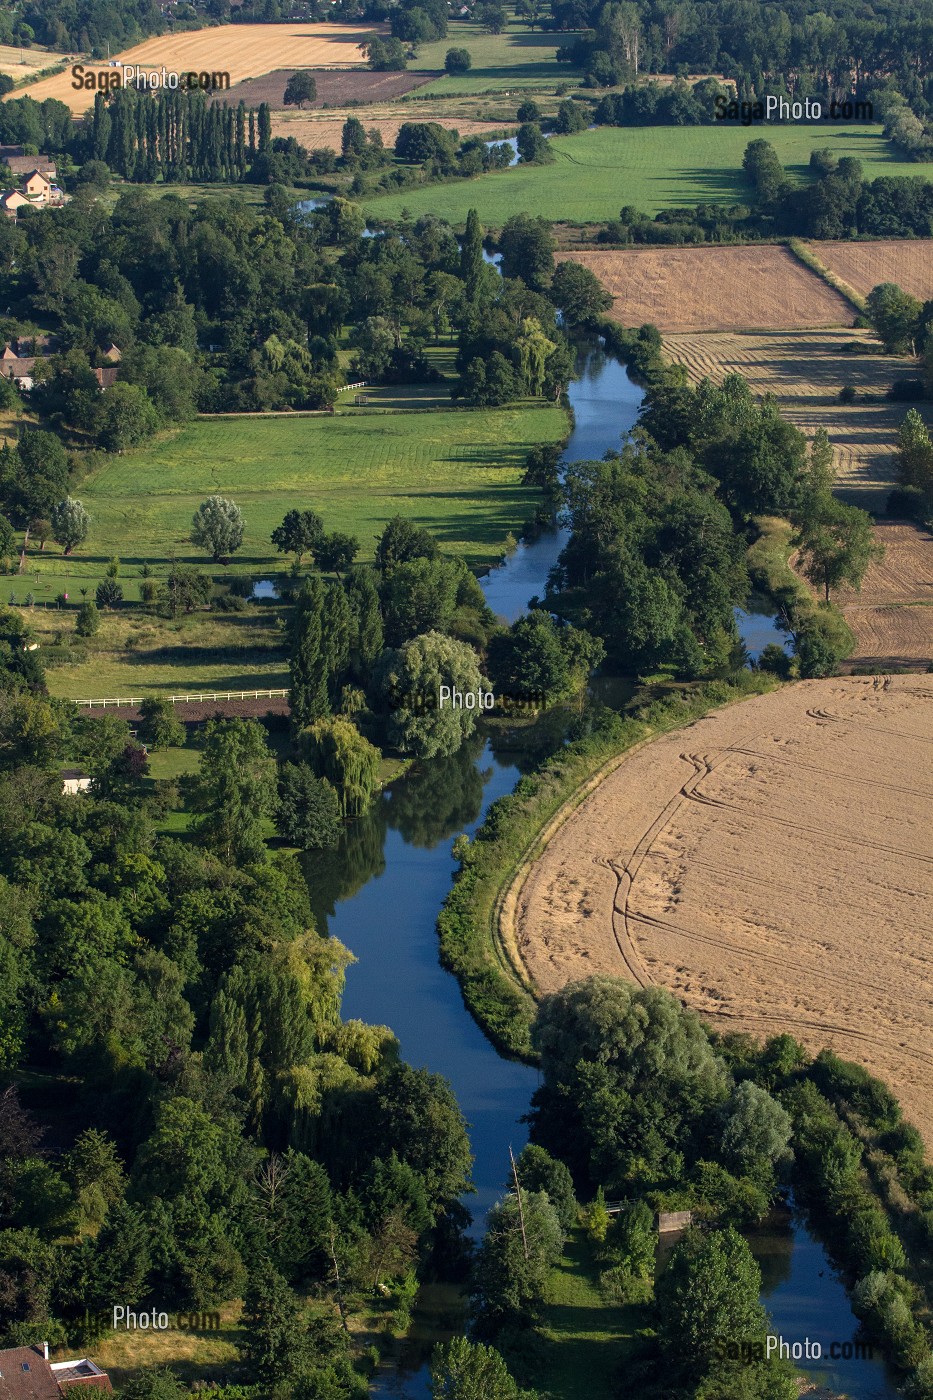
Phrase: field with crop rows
(762, 286)
(892, 616)
(20, 63)
(674, 872)
(242, 50)
(908, 262)
(335, 87)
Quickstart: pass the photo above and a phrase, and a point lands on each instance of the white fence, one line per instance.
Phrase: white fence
(187, 699)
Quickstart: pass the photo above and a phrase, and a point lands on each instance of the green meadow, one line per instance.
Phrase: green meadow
(503, 62)
(456, 473)
(661, 167)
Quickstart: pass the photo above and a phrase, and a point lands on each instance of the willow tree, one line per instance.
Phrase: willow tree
(533, 349)
(339, 753)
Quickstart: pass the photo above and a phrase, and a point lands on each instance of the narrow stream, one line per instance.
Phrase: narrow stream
(381, 890)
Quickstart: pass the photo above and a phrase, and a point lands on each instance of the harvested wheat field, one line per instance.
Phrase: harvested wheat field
(892, 615)
(772, 865)
(714, 289)
(20, 63)
(242, 50)
(908, 262)
(805, 372)
(315, 131)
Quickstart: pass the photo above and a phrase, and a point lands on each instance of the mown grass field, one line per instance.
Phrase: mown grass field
(597, 172)
(457, 473)
(135, 655)
(516, 58)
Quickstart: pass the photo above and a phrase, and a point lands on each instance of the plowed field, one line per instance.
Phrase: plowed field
(242, 50)
(772, 865)
(908, 262)
(334, 87)
(714, 289)
(892, 616)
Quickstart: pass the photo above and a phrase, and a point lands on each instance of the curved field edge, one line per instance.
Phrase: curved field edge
(476, 921)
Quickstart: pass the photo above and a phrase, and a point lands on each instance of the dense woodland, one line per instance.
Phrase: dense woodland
(224, 307)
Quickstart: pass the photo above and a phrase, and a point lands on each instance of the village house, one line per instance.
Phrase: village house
(20, 164)
(17, 367)
(27, 1374)
(18, 357)
(11, 201)
(38, 189)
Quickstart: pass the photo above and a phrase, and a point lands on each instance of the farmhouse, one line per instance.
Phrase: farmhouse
(11, 201)
(21, 164)
(37, 191)
(40, 189)
(18, 358)
(27, 1374)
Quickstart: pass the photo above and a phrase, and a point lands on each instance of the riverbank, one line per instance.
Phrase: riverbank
(747, 867)
(470, 925)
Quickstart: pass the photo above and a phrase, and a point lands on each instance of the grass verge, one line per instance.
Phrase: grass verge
(809, 259)
(583, 1337)
(474, 943)
(769, 568)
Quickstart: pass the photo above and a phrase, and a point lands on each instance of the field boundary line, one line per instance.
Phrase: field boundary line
(804, 254)
(199, 697)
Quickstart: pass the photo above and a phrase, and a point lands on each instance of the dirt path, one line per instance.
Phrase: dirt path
(772, 864)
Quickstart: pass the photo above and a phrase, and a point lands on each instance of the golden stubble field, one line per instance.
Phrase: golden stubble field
(771, 864)
(19, 62)
(892, 616)
(317, 130)
(862, 266)
(761, 286)
(242, 50)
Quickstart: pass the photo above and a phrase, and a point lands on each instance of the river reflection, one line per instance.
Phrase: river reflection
(806, 1299)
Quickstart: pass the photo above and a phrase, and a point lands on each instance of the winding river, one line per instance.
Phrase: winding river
(381, 890)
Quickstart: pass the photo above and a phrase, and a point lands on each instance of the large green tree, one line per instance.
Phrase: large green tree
(423, 688)
(234, 790)
(217, 526)
(837, 547)
(465, 1370)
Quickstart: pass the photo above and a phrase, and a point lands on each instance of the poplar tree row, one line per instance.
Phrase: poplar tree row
(177, 136)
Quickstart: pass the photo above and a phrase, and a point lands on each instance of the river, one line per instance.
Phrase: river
(381, 890)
